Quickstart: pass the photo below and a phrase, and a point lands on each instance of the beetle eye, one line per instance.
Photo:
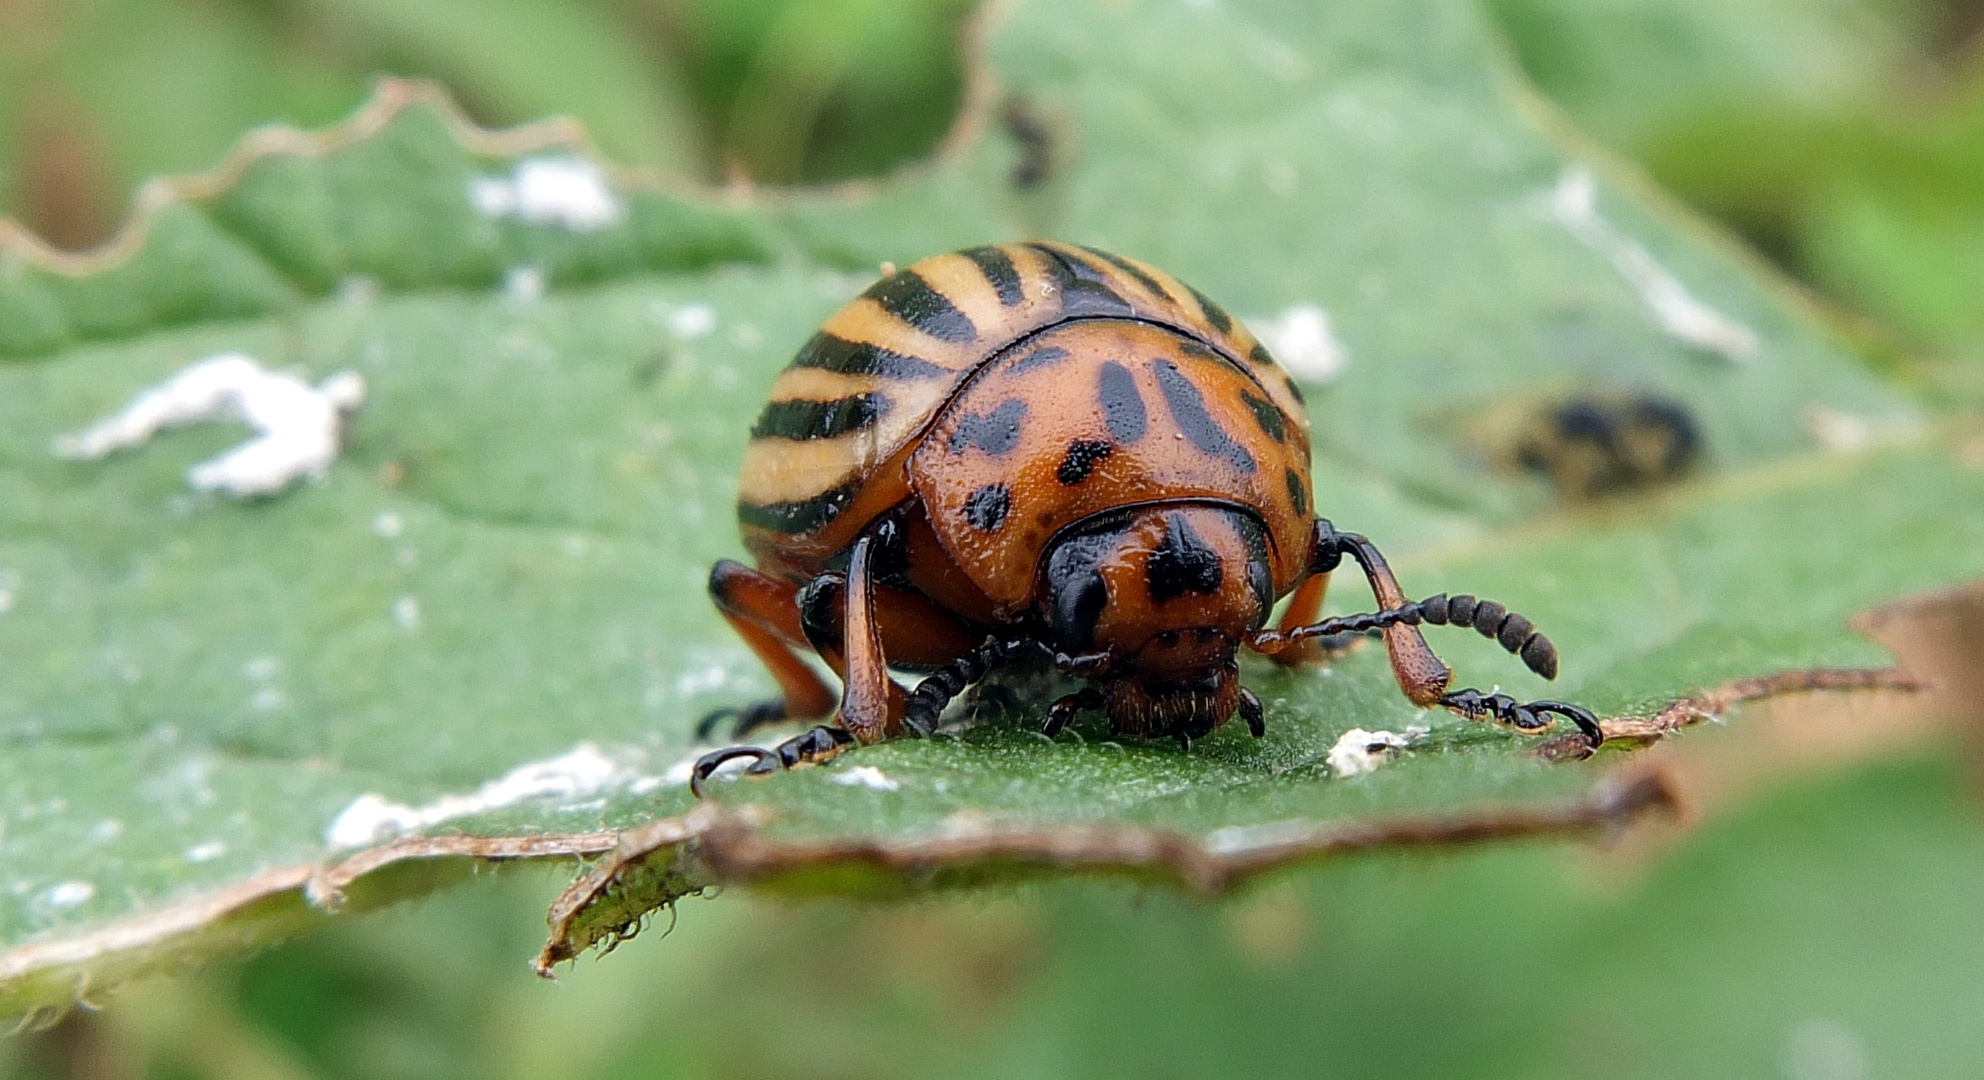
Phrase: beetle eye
(1168, 638)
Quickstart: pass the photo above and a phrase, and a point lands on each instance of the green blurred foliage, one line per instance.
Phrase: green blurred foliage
(96, 95)
(1846, 139)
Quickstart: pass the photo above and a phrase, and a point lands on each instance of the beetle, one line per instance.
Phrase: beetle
(1043, 445)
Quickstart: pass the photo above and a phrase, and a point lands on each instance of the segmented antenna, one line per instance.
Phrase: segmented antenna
(927, 701)
(1492, 620)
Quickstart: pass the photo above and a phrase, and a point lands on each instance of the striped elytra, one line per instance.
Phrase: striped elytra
(1066, 379)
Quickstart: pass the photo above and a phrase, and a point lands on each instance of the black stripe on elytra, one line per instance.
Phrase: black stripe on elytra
(829, 353)
(995, 432)
(1130, 268)
(806, 419)
(1122, 403)
(910, 298)
(986, 507)
(1000, 271)
(1266, 415)
(1188, 407)
(1084, 291)
(1215, 314)
(1298, 493)
(799, 515)
(1182, 563)
(1083, 456)
(1037, 358)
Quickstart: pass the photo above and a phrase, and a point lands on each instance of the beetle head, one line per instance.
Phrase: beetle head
(1153, 603)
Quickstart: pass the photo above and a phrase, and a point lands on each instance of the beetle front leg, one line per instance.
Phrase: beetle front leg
(1420, 674)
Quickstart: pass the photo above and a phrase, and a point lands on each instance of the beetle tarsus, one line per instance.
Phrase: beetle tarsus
(1252, 711)
(1064, 710)
(812, 747)
(1523, 716)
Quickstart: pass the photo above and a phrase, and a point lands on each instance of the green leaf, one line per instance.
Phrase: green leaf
(497, 589)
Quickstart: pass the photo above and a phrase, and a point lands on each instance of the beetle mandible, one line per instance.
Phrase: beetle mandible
(1039, 444)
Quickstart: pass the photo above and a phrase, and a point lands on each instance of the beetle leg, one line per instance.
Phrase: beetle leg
(871, 703)
(1254, 713)
(816, 745)
(765, 613)
(1531, 716)
(1420, 674)
(1064, 710)
(927, 701)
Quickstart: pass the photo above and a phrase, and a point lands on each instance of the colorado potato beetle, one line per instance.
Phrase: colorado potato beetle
(1042, 446)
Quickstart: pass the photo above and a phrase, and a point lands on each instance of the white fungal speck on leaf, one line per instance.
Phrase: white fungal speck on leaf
(387, 524)
(1574, 205)
(406, 613)
(578, 774)
(206, 852)
(299, 427)
(1358, 751)
(10, 587)
(565, 191)
(867, 776)
(524, 284)
(1302, 340)
(68, 894)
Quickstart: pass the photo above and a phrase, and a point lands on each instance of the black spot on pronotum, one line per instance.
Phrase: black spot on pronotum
(1266, 415)
(1081, 459)
(829, 353)
(999, 270)
(1038, 358)
(798, 515)
(910, 298)
(986, 507)
(995, 432)
(1298, 492)
(807, 419)
(1182, 563)
(1084, 291)
(1260, 354)
(1122, 403)
(1188, 407)
(1215, 314)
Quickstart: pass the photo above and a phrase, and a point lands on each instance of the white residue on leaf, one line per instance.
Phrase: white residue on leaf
(68, 894)
(206, 852)
(106, 830)
(580, 773)
(867, 776)
(406, 613)
(691, 321)
(10, 587)
(1574, 204)
(1358, 751)
(562, 190)
(298, 426)
(387, 524)
(1302, 340)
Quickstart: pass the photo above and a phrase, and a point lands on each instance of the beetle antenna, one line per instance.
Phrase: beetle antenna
(927, 701)
(1492, 620)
